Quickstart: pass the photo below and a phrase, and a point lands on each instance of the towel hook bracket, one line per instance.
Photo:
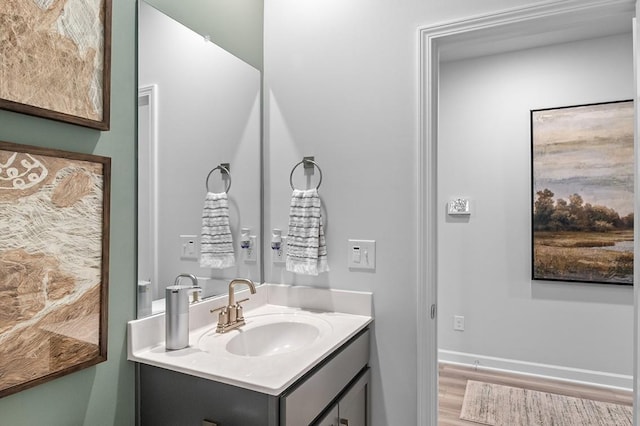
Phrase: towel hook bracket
(308, 163)
(224, 170)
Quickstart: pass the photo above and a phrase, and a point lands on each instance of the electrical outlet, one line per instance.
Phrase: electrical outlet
(278, 255)
(251, 252)
(458, 322)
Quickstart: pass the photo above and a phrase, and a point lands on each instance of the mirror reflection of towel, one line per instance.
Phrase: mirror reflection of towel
(306, 245)
(216, 242)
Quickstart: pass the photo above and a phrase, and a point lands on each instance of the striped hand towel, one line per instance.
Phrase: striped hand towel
(306, 245)
(216, 243)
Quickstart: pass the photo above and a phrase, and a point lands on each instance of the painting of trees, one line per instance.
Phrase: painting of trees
(582, 193)
(575, 215)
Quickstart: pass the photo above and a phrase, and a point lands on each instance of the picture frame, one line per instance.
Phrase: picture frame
(582, 174)
(54, 263)
(57, 60)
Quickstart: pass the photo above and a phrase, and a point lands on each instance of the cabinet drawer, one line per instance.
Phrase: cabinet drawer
(304, 403)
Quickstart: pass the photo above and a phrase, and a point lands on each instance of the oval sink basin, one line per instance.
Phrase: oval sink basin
(273, 339)
(267, 335)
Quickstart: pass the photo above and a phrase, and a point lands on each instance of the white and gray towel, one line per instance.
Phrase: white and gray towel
(306, 245)
(216, 243)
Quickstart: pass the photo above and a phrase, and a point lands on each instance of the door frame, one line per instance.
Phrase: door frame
(432, 42)
(148, 154)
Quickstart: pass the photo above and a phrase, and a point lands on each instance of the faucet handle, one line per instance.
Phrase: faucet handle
(239, 310)
(223, 317)
(221, 308)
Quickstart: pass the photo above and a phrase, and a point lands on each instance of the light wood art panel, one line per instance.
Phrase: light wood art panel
(54, 259)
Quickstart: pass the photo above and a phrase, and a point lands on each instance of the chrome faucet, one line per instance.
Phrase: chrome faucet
(231, 316)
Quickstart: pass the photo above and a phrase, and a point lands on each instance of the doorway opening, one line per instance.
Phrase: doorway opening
(498, 35)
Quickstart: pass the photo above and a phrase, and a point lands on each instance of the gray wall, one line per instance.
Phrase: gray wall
(341, 83)
(485, 260)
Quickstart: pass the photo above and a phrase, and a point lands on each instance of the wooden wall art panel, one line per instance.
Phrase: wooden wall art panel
(55, 58)
(54, 260)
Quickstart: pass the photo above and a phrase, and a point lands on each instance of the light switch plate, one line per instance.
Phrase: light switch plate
(361, 254)
(189, 247)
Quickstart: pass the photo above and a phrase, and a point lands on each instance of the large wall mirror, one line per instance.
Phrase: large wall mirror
(198, 108)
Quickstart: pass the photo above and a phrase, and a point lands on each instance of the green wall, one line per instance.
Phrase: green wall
(104, 394)
(234, 25)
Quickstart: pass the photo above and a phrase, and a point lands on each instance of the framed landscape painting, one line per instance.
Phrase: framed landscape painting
(55, 59)
(54, 263)
(582, 193)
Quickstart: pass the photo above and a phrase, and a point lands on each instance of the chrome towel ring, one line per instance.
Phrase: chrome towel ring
(308, 162)
(224, 169)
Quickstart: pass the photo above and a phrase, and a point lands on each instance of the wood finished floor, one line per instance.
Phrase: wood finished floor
(453, 381)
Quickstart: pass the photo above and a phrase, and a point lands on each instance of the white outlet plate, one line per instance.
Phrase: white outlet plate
(458, 322)
(279, 256)
(189, 247)
(361, 254)
(250, 254)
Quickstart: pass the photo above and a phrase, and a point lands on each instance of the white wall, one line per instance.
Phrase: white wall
(341, 83)
(485, 260)
(208, 113)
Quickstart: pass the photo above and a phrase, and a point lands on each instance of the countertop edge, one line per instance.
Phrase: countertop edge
(139, 357)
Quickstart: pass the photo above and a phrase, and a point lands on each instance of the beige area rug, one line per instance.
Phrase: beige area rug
(499, 405)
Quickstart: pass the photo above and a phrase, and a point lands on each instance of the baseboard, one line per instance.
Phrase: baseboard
(576, 375)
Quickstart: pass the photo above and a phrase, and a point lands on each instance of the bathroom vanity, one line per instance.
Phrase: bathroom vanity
(300, 359)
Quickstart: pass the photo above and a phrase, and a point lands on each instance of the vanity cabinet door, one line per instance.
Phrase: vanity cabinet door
(304, 402)
(331, 419)
(353, 407)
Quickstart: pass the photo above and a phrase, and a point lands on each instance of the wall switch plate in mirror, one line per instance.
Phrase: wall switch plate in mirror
(189, 247)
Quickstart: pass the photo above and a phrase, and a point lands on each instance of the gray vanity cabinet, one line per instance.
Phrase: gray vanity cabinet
(352, 408)
(340, 382)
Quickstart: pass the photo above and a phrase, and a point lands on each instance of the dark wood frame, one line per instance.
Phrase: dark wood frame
(102, 124)
(105, 164)
(598, 277)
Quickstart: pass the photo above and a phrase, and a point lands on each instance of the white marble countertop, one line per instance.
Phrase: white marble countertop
(338, 314)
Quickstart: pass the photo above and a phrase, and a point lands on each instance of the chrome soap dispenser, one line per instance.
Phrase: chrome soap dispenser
(177, 312)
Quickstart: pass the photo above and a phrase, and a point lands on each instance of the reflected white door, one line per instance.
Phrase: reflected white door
(147, 192)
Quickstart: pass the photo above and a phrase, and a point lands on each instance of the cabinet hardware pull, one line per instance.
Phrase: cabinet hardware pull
(344, 422)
